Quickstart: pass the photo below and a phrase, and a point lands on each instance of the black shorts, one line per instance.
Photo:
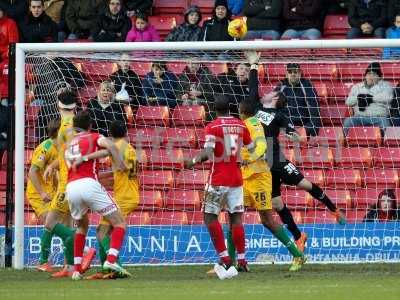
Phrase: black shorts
(284, 172)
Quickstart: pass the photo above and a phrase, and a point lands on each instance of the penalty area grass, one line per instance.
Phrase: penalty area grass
(360, 281)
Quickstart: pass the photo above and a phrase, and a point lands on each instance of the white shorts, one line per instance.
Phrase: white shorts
(86, 193)
(219, 197)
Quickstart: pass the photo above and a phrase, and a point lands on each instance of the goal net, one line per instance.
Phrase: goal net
(166, 117)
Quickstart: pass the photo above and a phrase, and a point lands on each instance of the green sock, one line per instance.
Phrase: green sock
(102, 251)
(67, 236)
(281, 235)
(231, 247)
(106, 246)
(45, 245)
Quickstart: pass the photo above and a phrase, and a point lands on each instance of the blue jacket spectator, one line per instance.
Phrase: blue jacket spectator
(235, 6)
(392, 33)
(160, 86)
(302, 100)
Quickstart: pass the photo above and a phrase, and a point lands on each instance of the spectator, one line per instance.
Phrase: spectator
(234, 85)
(160, 86)
(188, 31)
(113, 24)
(302, 19)
(142, 31)
(55, 9)
(235, 6)
(8, 34)
(138, 6)
(370, 100)
(302, 100)
(263, 19)
(334, 7)
(38, 27)
(393, 33)
(197, 85)
(125, 74)
(216, 29)
(367, 18)
(103, 110)
(385, 208)
(81, 17)
(15, 9)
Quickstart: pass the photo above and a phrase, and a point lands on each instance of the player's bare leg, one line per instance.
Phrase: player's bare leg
(238, 238)
(315, 191)
(286, 216)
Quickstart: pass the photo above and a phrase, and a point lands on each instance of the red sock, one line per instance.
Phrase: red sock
(117, 237)
(79, 245)
(238, 238)
(217, 236)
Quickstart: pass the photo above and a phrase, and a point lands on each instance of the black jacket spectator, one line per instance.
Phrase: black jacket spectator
(112, 27)
(334, 7)
(375, 13)
(38, 30)
(302, 105)
(15, 9)
(393, 10)
(102, 117)
(136, 6)
(216, 29)
(133, 85)
(81, 16)
(261, 18)
(306, 16)
(187, 31)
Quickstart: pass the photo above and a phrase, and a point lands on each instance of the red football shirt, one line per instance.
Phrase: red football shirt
(226, 135)
(82, 144)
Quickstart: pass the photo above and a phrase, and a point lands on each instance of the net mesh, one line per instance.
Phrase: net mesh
(167, 225)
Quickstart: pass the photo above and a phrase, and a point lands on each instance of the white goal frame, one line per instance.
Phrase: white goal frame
(23, 48)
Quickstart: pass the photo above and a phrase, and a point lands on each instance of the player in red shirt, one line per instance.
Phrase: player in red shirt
(84, 192)
(224, 138)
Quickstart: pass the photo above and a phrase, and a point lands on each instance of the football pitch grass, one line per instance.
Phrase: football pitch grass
(363, 281)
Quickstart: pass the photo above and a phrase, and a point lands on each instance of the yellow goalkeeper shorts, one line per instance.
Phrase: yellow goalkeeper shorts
(125, 208)
(257, 191)
(38, 205)
(59, 202)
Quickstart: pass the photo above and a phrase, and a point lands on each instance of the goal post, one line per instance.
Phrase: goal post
(208, 53)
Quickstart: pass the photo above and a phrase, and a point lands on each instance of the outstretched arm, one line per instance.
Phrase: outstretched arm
(253, 58)
(204, 155)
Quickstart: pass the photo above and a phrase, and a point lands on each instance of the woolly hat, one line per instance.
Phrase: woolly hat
(374, 67)
(221, 3)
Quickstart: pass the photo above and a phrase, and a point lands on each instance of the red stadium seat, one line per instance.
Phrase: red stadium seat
(352, 71)
(336, 26)
(156, 179)
(297, 199)
(391, 70)
(386, 157)
(141, 68)
(2, 201)
(31, 115)
(164, 24)
(192, 179)
(364, 198)
(169, 218)
(338, 91)
(322, 91)
(182, 200)
(319, 157)
(193, 115)
(353, 158)
(319, 217)
(179, 137)
(316, 71)
(31, 137)
(284, 141)
(251, 217)
(201, 136)
(334, 115)
(172, 7)
(150, 200)
(139, 218)
(165, 158)
(379, 178)
(176, 67)
(146, 137)
(329, 136)
(206, 6)
(315, 176)
(392, 136)
(355, 216)
(343, 179)
(341, 198)
(97, 70)
(364, 136)
(152, 116)
(31, 219)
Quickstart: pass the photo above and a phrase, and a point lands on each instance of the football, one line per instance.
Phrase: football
(237, 28)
